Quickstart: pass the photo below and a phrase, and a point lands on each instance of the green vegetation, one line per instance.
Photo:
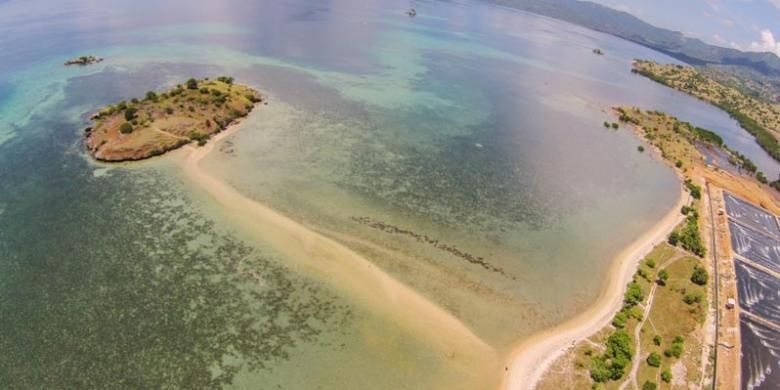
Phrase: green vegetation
(688, 236)
(677, 348)
(126, 128)
(130, 113)
(640, 148)
(694, 189)
(699, 276)
(649, 386)
(657, 340)
(612, 364)
(666, 376)
(225, 79)
(201, 138)
(654, 359)
(192, 84)
(663, 276)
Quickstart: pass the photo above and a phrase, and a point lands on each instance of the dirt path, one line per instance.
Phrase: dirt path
(631, 379)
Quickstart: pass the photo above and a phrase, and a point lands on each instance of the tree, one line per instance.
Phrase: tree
(130, 113)
(761, 178)
(192, 84)
(152, 96)
(654, 359)
(651, 263)
(633, 295)
(599, 370)
(674, 238)
(657, 340)
(666, 376)
(699, 275)
(126, 128)
(649, 386)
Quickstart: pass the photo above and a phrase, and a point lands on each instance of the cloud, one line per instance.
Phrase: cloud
(775, 3)
(767, 42)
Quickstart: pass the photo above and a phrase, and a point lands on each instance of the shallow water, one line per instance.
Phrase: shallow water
(462, 152)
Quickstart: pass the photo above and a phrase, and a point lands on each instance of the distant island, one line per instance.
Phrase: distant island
(758, 117)
(158, 123)
(761, 70)
(83, 60)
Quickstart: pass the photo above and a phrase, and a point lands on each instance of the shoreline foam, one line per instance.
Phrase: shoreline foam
(528, 362)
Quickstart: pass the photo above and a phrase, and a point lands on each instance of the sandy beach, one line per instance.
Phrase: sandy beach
(530, 359)
(342, 268)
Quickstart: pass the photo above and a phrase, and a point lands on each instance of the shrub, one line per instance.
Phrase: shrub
(134, 101)
(130, 113)
(666, 376)
(615, 125)
(633, 294)
(649, 386)
(169, 110)
(606, 124)
(676, 349)
(225, 79)
(761, 178)
(599, 370)
(678, 164)
(654, 360)
(620, 320)
(674, 238)
(699, 275)
(651, 263)
(657, 340)
(640, 148)
(693, 189)
(126, 128)
(151, 95)
(192, 84)
(691, 298)
(663, 276)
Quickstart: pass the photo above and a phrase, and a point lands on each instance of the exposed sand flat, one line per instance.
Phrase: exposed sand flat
(528, 361)
(345, 270)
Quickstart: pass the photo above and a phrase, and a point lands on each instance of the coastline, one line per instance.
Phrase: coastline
(528, 362)
(342, 268)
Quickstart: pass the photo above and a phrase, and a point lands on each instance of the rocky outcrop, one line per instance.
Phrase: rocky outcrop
(83, 60)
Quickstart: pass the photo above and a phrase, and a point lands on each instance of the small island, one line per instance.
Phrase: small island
(83, 60)
(158, 123)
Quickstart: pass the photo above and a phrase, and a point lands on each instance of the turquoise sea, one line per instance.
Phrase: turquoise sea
(462, 152)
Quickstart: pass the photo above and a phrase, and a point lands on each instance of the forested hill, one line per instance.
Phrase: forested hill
(624, 25)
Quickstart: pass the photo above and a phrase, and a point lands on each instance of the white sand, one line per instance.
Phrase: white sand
(343, 269)
(528, 361)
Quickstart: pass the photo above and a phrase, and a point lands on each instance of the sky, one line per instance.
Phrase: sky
(752, 25)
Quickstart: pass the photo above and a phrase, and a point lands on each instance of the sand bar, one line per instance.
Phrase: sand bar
(342, 268)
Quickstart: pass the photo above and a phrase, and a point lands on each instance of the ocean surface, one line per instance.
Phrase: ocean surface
(462, 152)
